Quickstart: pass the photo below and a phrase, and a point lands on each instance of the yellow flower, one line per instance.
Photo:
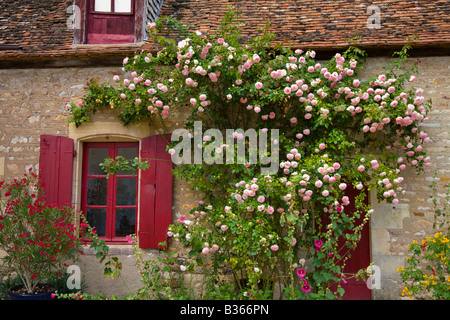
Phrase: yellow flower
(406, 292)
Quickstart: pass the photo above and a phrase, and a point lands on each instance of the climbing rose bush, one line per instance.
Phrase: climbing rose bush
(339, 137)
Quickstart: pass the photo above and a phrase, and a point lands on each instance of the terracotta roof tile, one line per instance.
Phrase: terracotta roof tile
(37, 28)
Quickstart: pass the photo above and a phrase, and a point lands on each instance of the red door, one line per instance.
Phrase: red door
(360, 257)
(110, 21)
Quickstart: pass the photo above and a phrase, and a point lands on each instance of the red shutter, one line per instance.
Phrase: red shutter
(55, 169)
(155, 206)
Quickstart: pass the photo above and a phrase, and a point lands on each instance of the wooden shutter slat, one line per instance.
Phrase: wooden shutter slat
(55, 169)
(155, 206)
(147, 195)
(163, 205)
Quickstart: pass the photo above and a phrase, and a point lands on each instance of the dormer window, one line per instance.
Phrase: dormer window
(111, 21)
(114, 21)
(113, 6)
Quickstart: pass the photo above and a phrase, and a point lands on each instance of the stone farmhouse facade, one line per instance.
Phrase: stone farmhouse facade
(51, 49)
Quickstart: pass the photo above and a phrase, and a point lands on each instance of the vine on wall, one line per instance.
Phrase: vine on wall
(336, 132)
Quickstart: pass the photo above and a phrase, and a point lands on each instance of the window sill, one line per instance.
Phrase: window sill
(84, 46)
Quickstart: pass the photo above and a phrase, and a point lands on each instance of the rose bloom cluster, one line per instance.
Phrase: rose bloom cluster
(307, 84)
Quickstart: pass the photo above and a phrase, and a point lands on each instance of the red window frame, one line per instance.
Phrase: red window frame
(111, 205)
(81, 35)
(112, 12)
(113, 27)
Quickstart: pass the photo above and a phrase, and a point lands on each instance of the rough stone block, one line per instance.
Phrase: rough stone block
(380, 242)
(388, 216)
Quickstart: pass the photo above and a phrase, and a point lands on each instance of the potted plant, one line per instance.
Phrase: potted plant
(37, 239)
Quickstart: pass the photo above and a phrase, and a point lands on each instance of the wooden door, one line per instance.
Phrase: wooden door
(360, 257)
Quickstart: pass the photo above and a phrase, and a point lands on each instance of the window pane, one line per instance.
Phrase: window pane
(126, 192)
(97, 156)
(102, 5)
(129, 154)
(122, 5)
(97, 191)
(97, 218)
(125, 222)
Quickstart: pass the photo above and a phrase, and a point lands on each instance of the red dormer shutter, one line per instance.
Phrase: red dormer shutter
(55, 169)
(155, 204)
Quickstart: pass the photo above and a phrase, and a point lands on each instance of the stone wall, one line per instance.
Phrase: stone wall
(33, 102)
(393, 227)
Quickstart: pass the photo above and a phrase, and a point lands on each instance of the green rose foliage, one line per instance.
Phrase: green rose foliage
(336, 132)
